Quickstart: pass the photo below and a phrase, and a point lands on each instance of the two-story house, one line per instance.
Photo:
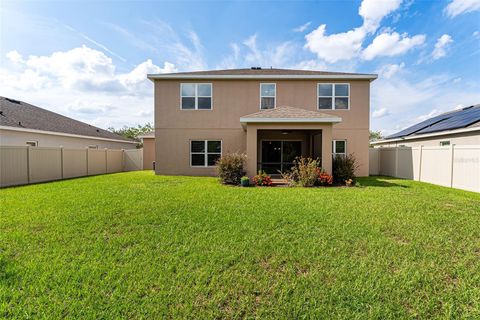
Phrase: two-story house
(272, 115)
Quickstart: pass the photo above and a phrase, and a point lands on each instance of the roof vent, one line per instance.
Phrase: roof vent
(256, 68)
(466, 108)
(98, 130)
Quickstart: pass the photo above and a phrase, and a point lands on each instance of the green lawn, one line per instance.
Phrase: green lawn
(135, 245)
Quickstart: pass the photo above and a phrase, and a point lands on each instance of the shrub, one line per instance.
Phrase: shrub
(230, 168)
(262, 179)
(305, 171)
(324, 179)
(344, 168)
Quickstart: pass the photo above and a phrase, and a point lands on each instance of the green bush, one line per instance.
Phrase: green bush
(304, 172)
(344, 168)
(230, 168)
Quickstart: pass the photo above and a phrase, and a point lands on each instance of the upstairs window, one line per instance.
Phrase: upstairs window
(333, 96)
(339, 148)
(267, 95)
(196, 96)
(205, 153)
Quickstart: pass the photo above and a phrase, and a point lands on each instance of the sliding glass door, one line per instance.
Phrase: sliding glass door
(278, 156)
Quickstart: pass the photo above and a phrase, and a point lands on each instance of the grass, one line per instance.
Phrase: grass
(135, 245)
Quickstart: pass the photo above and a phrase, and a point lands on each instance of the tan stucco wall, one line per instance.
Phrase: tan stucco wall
(148, 153)
(17, 138)
(235, 98)
(466, 138)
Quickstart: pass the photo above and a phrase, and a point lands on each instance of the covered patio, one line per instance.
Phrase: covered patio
(275, 137)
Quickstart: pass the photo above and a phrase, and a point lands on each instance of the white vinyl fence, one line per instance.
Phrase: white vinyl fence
(24, 165)
(453, 166)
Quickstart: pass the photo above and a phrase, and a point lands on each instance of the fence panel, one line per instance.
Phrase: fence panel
(466, 168)
(374, 162)
(114, 161)
(132, 160)
(13, 166)
(74, 163)
(436, 165)
(45, 164)
(453, 166)
(97, 161)
(388, 162)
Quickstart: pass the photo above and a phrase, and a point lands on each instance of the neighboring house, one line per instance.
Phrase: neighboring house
(22, 124)
(272, 115)
(148, 140)
(461, 127)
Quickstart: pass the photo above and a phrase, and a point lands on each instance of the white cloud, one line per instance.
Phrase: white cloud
(390, 70)
(476, 34)
(373, 11)
(391, 44)
(380, 113)
(302, 28)
(441, 46)
(457, 7)
(347, 45)
(14, 56)
(83, 83)
(335, 47)
(457, 80)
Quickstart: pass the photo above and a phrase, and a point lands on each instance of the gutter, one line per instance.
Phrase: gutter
(426, 135)
(154, 77)
(53, 133)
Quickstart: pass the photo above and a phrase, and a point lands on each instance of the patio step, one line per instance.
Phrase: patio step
(279, 182)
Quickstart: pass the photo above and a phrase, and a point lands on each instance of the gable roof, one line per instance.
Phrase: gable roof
(21, 115)
(289, 114)
(463, 118)
(260, 73)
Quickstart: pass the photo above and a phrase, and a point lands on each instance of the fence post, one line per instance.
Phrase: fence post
(420, 164)
(396, 162)
(61, 160)
(452, 152)
(123, 160)
(87, 162)
(28, 164)
(106, 160)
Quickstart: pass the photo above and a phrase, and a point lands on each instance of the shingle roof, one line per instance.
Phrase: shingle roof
(463, 118)
(19, 114)
(267, 72)
(289, 113)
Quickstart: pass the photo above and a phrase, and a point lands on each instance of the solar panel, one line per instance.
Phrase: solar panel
(459, 119)
(419, 126)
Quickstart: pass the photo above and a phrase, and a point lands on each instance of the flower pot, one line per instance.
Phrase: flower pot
(245, 183)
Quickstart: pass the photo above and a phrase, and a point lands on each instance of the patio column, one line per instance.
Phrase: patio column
(251, 150)
(327, 149)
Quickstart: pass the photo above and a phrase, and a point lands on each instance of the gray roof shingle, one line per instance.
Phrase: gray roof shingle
(19, 114)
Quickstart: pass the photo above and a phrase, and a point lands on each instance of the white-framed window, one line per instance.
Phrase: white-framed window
(445, 143)
(32, 143)
(339, 147)
(333, 96)
(268, 93)
(196, 96)
(205, 153)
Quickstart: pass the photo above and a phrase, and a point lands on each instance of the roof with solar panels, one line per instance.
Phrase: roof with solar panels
(449, 122)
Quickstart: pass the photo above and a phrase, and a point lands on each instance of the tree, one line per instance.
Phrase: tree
(375, 135)
(133, 132)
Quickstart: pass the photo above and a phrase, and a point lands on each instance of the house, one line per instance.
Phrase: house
(23, 124)
(148, 141)
(272, 115)
(461, 127)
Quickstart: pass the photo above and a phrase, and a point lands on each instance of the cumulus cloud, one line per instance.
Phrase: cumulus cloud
(392, 44)
(441, 46)
(380, 113)
(457, 7)
(82, 83)
(389, 70)
(302, 28)
(346, 45)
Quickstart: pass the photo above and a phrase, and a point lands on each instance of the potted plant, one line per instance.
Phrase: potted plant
(245, 181)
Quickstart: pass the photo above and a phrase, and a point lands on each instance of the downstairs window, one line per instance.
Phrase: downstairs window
(204, 153)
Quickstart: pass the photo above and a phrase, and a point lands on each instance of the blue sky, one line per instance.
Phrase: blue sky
(88, 60)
